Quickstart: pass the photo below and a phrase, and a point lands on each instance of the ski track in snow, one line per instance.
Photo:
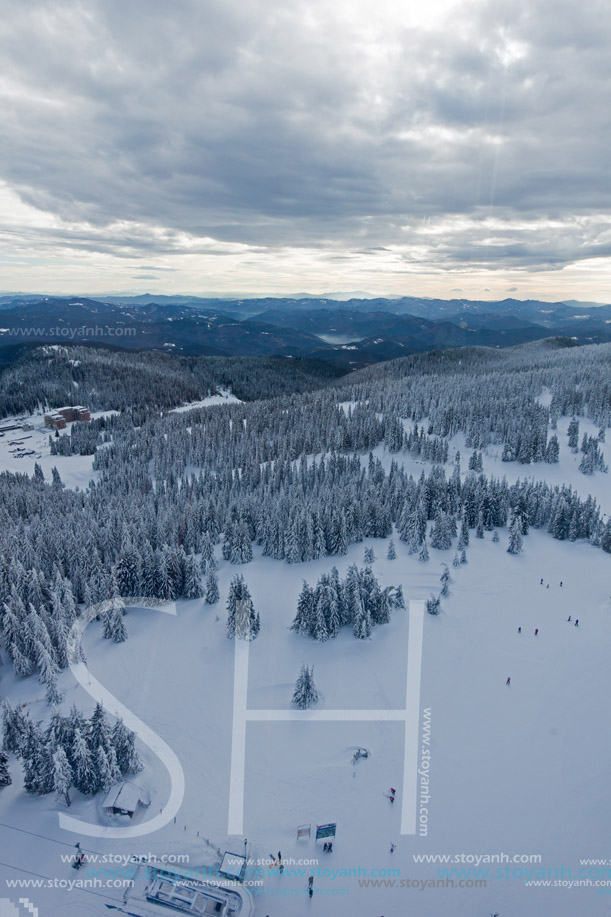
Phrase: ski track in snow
(143, 732)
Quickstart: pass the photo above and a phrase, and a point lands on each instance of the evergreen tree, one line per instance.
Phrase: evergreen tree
(423, 556)
(392, 553)
(515, 536)
(446, 581)
(5, 777)
(114, 774)
(305, 694)
(14, 728)
(441, 535)
(124, 743)
(241, 617)
(433, 605)
(552, 452)
(212, 586)
(99, 734)
(361, 627)
(85, 776)
(369, 556)
(304, 619)
(62, 776)
(192, 584)
(463, 538)
(573, 432)
(119, 630)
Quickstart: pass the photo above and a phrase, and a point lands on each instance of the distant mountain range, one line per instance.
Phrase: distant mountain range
(348, 333)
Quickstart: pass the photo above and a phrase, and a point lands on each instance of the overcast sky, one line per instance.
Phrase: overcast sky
(434, 147)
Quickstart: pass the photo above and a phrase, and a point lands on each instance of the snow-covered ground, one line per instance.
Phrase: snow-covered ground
(517, 770)
(75, 470)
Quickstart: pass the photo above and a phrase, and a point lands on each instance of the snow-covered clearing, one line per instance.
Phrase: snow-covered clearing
(221, 397)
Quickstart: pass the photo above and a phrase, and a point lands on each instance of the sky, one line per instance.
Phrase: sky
(432, 147)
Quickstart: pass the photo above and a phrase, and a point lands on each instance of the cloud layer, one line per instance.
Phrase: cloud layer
(476, 140)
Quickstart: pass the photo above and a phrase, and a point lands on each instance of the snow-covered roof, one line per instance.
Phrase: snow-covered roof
(126, 796)
(233, 865)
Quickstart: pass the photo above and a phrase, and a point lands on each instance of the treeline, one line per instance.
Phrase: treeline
(52, 376)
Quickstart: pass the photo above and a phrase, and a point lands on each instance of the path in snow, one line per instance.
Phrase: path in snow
(144, 733)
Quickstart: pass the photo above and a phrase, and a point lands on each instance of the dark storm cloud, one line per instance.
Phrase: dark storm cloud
(272, 124)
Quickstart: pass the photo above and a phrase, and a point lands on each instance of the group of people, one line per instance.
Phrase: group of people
(570, 619)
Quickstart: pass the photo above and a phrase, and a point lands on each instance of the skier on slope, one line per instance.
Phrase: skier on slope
(569, 617)
(536, 631)
(508, 682)
(576, 622)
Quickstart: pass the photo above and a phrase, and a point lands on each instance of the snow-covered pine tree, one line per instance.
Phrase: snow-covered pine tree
(515, 536)
(305, 694)
(441, 536)
(5, 776)
(114, 773)
(433, 605)
(369, 556)
(361, 626)
(573, 433)
(207, 553)
(105, 779)
(463, 538)
(241, 545)
(241, 617)
(392, 552)
(84, 770)
(13, 727)
(423, 556)
(552, 452)
(212, 586)
(446, 581)
(192, 582)
(62, 776)
(118, 630)
(99, 733)
(124, 743)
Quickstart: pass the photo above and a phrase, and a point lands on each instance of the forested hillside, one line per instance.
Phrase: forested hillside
(287, 473)
(115, 380)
